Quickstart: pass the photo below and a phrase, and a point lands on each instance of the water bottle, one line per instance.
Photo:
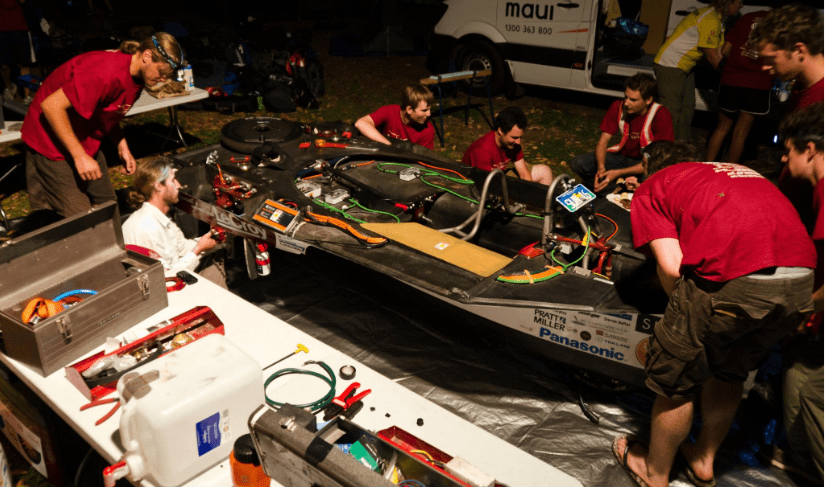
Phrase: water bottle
(189, 81)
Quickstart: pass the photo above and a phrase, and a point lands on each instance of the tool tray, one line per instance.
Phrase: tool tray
(198, 322)
(293, 455)
(85, 251)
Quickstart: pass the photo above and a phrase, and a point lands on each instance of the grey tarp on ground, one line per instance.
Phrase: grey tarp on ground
(438, 352)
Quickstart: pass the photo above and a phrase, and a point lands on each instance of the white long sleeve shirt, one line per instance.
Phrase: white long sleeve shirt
(149, 227)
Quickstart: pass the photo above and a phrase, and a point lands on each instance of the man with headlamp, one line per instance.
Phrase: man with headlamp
(78, 104)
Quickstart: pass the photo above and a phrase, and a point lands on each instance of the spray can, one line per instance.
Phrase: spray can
(262, 260)
(245, 465)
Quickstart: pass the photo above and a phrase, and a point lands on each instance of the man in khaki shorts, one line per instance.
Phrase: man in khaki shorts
(80, 103)
(737, 264)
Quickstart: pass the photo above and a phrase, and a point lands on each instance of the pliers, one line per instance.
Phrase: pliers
(344, 401)
(98, 402)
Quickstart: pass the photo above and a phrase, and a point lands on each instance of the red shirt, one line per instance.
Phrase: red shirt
(799, 191)
(743, 68)
(12, 19)
(388, 121)
(729, 220)
(817, 233)
(808, 96)
(486, 155)
(661, 128)
(101, 91)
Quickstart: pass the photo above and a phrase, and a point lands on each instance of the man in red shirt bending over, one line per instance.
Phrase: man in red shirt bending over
(78, 104)
(501, 147)
(737, 264)
(407, 121)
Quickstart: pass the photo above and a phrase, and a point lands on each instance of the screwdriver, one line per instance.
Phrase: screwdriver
(301, 348)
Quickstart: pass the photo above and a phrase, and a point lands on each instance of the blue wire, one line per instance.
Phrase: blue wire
(73, 293)
(410, 482)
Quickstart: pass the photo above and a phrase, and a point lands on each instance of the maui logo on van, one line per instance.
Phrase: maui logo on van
(528, 11)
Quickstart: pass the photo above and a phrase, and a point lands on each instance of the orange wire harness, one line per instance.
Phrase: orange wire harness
(442, 169)
(328, 220)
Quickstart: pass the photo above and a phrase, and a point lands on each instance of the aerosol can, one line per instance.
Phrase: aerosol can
(262, 260)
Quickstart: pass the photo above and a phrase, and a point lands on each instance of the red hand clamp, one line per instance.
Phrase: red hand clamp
(344, 401)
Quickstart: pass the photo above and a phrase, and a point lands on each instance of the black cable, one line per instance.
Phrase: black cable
(80, 467)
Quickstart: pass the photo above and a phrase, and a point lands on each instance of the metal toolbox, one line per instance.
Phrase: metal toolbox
(85, 251)
(293, 454)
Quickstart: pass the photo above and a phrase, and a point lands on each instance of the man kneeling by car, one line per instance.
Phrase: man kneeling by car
(640, 121)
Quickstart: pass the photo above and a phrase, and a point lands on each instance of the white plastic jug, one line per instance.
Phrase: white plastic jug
(183, 411)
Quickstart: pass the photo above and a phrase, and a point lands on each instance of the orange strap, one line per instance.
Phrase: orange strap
(347, 227)
(44, 308)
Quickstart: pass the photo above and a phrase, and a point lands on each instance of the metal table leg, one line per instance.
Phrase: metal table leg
(174, 128)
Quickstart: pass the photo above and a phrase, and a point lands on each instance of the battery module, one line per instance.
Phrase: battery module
(336, 196)
(276, 216)
(409, 174)
(309, 189)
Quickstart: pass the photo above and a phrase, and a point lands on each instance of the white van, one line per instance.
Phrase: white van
(557, 43)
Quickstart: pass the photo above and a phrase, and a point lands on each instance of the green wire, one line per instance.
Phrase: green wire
(356, 203)
(425, 171)
(314, 406)
(342, 212)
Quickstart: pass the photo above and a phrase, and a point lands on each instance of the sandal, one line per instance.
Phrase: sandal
(690, 474)
(621, 456)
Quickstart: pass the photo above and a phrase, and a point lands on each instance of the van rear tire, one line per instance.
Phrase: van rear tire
(478, 56)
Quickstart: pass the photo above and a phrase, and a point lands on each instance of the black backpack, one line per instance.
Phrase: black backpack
(279, 98)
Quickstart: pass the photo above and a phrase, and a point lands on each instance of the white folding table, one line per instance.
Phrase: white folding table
(267, 338)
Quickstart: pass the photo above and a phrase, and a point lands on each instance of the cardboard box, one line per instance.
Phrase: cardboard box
(655, 14)
(85, 251)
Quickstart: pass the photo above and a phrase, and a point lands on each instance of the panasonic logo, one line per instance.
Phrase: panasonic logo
(583, 346)
(529, 11)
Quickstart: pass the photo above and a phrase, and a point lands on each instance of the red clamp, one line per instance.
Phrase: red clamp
(238, 159)
(344, 401)
(346, 135)
(177, 286)
(304, 145)
(218, 234)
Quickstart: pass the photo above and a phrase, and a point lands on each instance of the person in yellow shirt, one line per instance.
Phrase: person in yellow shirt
(700, 34)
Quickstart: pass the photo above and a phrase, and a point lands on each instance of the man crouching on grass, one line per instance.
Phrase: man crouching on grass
(737, 264)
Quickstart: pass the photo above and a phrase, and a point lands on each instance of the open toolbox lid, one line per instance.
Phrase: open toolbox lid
(34, 263)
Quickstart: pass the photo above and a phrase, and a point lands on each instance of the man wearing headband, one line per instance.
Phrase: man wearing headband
(78, 104)
(155, 193)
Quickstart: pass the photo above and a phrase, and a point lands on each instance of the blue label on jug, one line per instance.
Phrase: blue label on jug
(209, 434)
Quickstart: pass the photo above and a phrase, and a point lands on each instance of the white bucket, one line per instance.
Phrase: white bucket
(195, 402)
